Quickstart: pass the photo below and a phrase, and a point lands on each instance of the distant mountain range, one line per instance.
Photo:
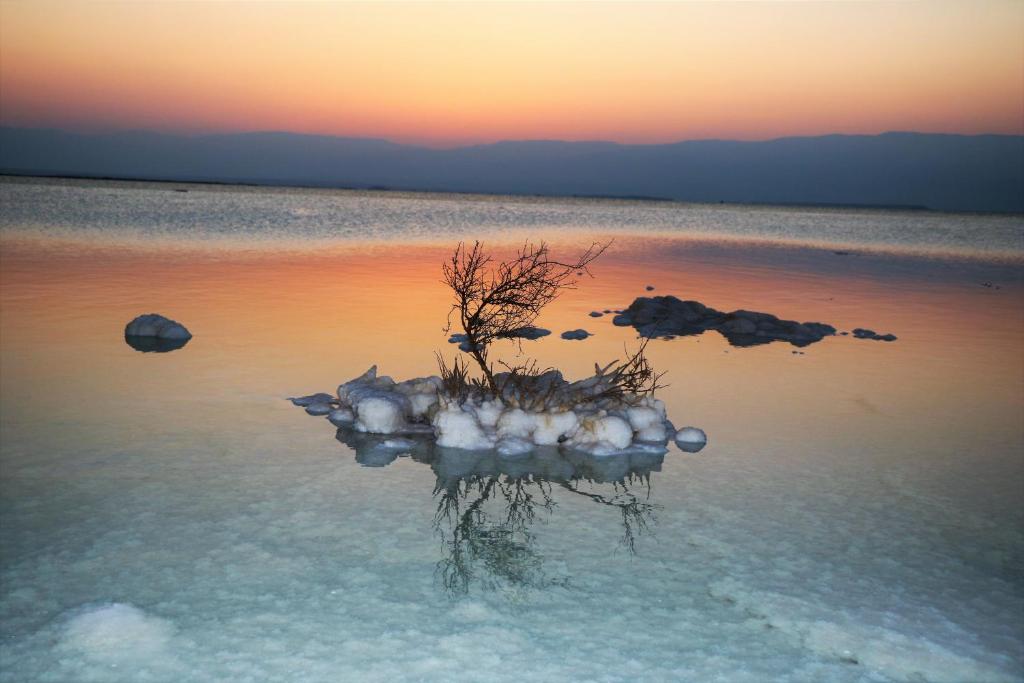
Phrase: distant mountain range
(935, 171)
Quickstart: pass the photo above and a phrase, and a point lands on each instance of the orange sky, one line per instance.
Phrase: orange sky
(450, 73)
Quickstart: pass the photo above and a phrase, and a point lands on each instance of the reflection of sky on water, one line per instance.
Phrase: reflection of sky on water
(863, 498)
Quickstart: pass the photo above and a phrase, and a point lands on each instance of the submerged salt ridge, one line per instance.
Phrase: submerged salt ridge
(546, 411)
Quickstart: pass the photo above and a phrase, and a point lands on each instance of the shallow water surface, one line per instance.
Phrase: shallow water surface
(856, 516)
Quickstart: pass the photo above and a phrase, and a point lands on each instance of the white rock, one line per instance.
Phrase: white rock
(341, 416)
(550, 426)
(602, 435)
(381, 413)
(691, 439)
(514, 446)
(304, 401)
(516, 423)
(458, 428)
(318, 408)
(691, 435)
(648, 423)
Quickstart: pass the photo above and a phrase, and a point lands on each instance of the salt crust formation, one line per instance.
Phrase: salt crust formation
(545, 410)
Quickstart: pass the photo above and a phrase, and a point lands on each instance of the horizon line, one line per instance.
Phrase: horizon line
(466, 145)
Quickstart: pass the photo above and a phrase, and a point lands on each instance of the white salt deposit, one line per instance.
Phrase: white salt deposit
(341, 416)
(691, 435)
(570, 417)
(116, 632)
(514, 446)
(457, 427)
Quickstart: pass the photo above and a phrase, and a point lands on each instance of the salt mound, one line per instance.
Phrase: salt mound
(544, 410)
(116, 632)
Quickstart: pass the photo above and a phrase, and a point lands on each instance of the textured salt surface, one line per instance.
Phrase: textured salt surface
(282, 577)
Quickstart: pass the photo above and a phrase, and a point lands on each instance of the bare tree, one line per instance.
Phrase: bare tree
(497, 300)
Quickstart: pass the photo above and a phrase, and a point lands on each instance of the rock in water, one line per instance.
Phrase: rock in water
(304, 401)
(155, 325)
(575, 334)
(862, 333)
(528, 332)
(691, 439)
(663, 316)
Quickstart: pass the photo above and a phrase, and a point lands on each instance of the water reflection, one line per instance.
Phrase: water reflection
(487, 504)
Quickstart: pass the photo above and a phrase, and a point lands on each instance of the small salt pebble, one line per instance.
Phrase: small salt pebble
(318, 408)
(691, 439)
(341, 417)
(303, 401)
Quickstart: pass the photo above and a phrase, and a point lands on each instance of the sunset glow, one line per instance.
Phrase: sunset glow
(451, 73)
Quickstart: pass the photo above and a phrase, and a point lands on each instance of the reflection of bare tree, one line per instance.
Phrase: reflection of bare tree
(501, 548)
(486, 504)
(637, 514)
(501, 552)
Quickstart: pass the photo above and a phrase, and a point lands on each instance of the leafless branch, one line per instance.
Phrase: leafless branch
(496, 300)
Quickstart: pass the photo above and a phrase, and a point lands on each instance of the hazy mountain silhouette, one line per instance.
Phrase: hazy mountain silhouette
(949, 172)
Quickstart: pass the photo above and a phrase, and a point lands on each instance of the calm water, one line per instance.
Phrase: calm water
(857, 516)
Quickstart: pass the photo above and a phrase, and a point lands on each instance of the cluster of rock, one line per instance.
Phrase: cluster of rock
(666, 316)
(862, 333)
(541, 411)
(529, 332)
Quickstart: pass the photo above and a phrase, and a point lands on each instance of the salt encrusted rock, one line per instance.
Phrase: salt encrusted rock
(155, 325)
(319, 408)
(691, 439)
(303, 401)
(530, 412)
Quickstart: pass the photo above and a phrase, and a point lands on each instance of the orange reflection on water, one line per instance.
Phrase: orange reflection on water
(271, 325)
(291, 322)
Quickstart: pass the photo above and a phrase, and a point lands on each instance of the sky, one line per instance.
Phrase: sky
(445, 74)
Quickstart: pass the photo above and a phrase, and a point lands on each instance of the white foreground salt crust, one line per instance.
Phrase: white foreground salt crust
(570, 415)
(116, 632)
